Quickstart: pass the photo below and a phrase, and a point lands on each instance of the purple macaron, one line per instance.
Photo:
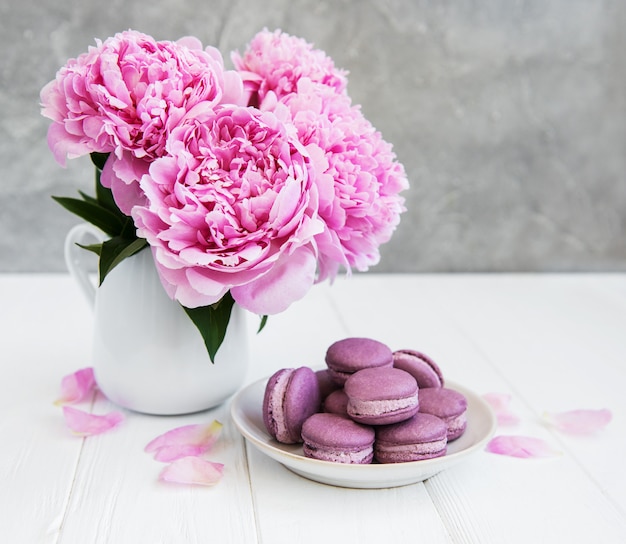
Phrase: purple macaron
(331, 437)
(291, 396)
(420, 366)
(347, 356)
(423, 436)
(326, 383)
(448, 405)
(381, 396)
(336, 403)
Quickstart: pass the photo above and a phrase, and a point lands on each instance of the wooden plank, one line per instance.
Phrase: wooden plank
(41, 342)
(293, 509)
(116, 495)
(566, 350)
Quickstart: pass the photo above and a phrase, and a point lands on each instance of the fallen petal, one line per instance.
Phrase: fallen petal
(77, 386)
(524, 447)
(189, 440)
(498, 401)
(192, 470)
(579, 421)
(85, 424)
(500, 404)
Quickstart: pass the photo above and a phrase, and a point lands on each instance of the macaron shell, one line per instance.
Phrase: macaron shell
(447, 404)
(351, 354)
(381, 396)
(301, 401)
(423, 436)
(331, 437)
(270, 397)
(380, 384)
(291, 396)
(326, 383)
(336, 403)
(420, 366)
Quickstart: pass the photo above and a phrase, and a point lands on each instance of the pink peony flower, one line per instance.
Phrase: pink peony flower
(258, 182)
(126, 95)
(232, 206)
(276, 61)
(359, 182)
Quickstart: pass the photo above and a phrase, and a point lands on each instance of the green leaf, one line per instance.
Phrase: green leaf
(94, 248)
(212, 322)
(115, 250)
(88, 198)
(262, 324)
(129, 230)
(105, 198)
(98, 159)
(104, 195)
(95, 214)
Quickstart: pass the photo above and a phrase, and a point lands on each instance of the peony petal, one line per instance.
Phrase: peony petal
(77, 386)
(122, 177)
(289, 280)
(500, 404)
(85, 424)
(579, 421)
(189, 440)
(524, 447)
(192, 470)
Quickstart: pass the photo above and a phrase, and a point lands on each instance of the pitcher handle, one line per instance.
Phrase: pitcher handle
(76, 257)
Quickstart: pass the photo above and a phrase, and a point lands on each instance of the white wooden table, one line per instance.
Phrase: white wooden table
(554, 343)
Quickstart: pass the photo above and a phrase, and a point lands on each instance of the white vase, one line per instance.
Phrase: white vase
(147, 354)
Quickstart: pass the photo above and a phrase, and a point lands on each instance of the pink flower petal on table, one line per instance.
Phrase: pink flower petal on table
(500, 404)
(579, 421)
(524, 447)
(192, 470)
(85, 424)
(189, 440)
(77, 386)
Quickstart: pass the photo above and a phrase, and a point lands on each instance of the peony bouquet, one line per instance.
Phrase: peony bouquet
(248, 185)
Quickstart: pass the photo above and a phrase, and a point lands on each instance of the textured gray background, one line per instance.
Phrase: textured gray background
(510, 118)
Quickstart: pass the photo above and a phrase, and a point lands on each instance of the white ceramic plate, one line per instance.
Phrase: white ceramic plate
(246, 413)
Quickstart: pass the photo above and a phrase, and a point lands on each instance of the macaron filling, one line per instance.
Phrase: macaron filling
(360, 457)
(276, 408)
(456, 425)
(423, 448)
(339, 377)
(359, 407)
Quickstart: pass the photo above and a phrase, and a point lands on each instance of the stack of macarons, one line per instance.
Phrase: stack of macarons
(369, 404)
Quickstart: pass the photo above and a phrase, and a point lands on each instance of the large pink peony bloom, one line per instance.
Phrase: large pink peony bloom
(232, 206)
(126, 95)
(276, 61)
(360, 183)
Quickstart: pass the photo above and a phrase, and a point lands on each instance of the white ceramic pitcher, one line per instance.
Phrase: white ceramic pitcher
(147, 354)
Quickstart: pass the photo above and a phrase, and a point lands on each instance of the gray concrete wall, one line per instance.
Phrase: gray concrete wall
(510, 118)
